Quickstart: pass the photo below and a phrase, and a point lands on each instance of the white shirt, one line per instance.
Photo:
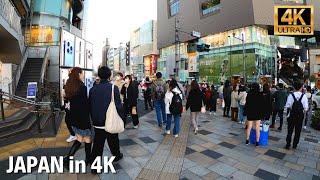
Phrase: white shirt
(220, 90)
(242, 98)
(304, 100)
(168, 98)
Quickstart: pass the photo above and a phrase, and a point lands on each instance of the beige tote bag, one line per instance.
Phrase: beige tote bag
(114, 123)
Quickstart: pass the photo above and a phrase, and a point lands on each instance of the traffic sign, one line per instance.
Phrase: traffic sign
(196, 34)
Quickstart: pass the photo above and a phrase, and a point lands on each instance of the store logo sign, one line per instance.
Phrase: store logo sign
(293, 20)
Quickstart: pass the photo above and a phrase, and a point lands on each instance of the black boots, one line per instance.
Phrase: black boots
(87, 149)
(74, 148)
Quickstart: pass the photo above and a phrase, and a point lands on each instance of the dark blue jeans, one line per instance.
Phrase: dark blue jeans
(176, 128)
(160, 107)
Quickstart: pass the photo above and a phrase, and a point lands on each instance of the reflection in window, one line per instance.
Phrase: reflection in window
(210, 6)
(174, 7)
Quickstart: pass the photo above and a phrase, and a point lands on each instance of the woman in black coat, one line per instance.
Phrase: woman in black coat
(253, 109)
(195, 102)
(76, 95)
(130, 94)
(227, 90)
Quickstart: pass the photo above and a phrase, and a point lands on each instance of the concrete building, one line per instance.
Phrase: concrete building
(224, 25)
(117, 59)
(12, 46)
(143, 50)
(105, 50)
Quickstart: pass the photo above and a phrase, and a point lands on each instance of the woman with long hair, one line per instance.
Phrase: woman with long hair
(76, 94)
(267, 102)
(130, 94)
(254, 111)
(195, 102)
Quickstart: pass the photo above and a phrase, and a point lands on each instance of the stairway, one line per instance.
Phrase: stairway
(31, 73)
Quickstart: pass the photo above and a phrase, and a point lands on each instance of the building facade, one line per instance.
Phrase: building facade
(12, 46)
(240, 35)
(143, 50)
(105, 50)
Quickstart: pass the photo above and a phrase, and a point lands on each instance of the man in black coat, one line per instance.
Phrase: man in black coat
(100, 98)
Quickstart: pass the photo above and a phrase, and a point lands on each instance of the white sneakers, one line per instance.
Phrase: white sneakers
(71, 138)
(176, 135)
(135, 127)
(168, 132)
(196, 131)
(304, 127)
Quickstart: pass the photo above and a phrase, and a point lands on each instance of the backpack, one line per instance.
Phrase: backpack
(310, 101)
(160, 94)
(176, 107)
(147, 92)
(297, 108)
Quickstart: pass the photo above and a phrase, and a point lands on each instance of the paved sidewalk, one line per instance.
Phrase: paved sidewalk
(216, 152)
(219, 152)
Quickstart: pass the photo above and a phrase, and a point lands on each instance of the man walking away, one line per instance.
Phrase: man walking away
(100, 98)
(297, 102)
(147, 94)
(279, 98)
(159, 90)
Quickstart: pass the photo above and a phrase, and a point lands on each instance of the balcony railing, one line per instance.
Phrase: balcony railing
(9, 13)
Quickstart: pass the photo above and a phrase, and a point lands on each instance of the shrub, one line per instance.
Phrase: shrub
(316, 120)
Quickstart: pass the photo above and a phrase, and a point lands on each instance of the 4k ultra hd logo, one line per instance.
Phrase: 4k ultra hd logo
(293, 20)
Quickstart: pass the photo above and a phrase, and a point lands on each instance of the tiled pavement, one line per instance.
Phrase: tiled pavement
(217, 152)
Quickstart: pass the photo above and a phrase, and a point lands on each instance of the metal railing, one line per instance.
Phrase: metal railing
(17, 74)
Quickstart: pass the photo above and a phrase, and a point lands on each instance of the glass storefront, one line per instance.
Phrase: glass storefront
(226, 57)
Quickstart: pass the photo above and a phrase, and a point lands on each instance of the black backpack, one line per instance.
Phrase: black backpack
(297, 108)
(176, 104)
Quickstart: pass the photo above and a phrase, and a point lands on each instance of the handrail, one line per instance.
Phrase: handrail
(18, 71)
(44, 65)
(24, 100)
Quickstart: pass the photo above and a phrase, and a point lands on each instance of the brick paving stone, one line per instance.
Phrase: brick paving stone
(318, 166)
(227, 145)
(201, 159)
(189, 175)
(266, 175)
(311, 171)
(298, 175)
(126, 142)
(267, 158)
(197, 148)
(291, 158)
(204, 132)
(307, 162)
(189, 151)
(275, 154)
(212, 154)
(209, 145)
(227, 160)
(147, 140)
(210, 176)
(222, 169)
(199, 171)
(240, 175)
(246, 168)
(294, 166)
(273, 168)
(188, 164)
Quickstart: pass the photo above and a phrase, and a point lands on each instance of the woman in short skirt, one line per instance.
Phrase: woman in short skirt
(76, 94)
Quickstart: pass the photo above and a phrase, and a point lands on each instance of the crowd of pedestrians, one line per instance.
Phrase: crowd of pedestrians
(249, 104)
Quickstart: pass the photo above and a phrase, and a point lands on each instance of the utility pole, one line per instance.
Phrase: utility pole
(177, 46)
(243, 59)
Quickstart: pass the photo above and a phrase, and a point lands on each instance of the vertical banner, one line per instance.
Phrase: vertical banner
(67, 48)
(88, 55)
(80, 53)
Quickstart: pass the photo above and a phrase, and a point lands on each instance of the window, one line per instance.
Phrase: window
(210, 6)
(174, 7)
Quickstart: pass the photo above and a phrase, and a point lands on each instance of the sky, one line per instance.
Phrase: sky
(115, 19)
